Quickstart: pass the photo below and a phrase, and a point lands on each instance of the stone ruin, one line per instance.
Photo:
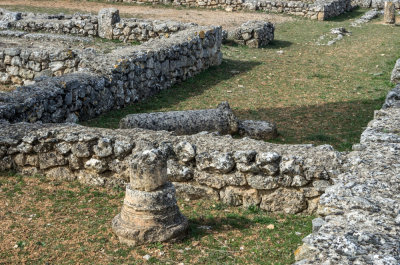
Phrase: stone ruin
(318, 9)
(354, 193)
(254, 34)
(221, 120)
(150, 212)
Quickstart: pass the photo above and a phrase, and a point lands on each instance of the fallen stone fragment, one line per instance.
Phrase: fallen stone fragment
(220, 119)
(260, 130)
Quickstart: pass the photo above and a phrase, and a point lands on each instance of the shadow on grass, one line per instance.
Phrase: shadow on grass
(192, 87)
(278, 44)
(275, 44)
(355, 13)
(339, 124)
(200, 227)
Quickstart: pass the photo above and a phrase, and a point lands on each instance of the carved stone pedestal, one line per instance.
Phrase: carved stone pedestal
(150, 212)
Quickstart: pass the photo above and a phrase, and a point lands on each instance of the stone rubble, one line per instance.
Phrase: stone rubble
(254, 34)
(339, 32)
(367, 17)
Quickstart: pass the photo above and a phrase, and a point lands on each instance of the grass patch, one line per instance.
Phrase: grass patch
(68, 223)
(315, 94)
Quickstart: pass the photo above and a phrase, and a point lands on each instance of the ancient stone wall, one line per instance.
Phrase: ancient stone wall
(278, 178)
(321, 9)
(378, 4)
(17, 65)
(126, 29)
(113, 80)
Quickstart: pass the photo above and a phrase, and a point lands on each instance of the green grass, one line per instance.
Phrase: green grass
(315, 94)
(48, 221)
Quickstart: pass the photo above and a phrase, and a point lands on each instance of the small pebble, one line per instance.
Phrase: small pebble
(146, 257)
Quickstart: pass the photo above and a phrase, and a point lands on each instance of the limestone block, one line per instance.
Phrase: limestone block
(262, 182)
(395, 77)
(185, 151)
(107, 18)
(389, 13)
(178, 172)
(288, 201)
(215, 162)
(193, 192)
(51, 159)
(148, 170)
(260, 130)
(236, 196)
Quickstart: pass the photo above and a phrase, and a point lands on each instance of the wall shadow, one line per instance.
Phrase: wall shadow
(339, 124)
(275, 44)
(357, 12)
(191, 87)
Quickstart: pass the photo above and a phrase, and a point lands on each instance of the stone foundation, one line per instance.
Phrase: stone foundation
(278, 178)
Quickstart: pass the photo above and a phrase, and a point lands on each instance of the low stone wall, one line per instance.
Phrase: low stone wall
(127, 74)
(125, 29)
(17, 65)
(360, 213)
(378, 4)
(278, 178)
(321, 9)
(254, 34)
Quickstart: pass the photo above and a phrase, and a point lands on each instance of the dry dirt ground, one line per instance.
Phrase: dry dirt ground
(199, 16)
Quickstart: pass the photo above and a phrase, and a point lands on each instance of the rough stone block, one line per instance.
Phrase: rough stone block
(107, 18)
(148, 170)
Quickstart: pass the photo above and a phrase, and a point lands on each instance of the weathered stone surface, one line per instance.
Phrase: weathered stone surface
(194, 192)
(254, 34)
(107, 18)
(260, 130)
(51, 159)
(220, 119)
(263, 182)
(395, 78)
(178, 172)
(215, 162)
(237, 196)
(148, 217)
(284, 200)
(148, 170)
(389, 13)
(201, 165)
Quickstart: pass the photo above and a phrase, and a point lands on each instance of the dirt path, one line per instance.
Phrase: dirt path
(203, 17)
